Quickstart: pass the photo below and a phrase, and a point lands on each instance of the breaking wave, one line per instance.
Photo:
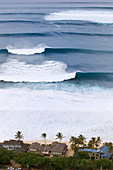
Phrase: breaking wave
(45, 49)
(48, 71)
(27, 51)
(98, 16)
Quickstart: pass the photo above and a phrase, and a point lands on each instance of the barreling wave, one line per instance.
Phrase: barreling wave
(42, 48)
(48, 71)
(96, 16)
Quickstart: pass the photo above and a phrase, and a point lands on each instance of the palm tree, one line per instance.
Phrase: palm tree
(98, 141)
(92, 142)
(19, 135)
(74, 143)
(59, 136)
(44, 136)
(81, 139)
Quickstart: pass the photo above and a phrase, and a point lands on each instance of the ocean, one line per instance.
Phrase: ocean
(56, 68)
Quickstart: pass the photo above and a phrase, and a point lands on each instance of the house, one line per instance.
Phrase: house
(104, 152)
(58, 149)
(39, 149)
(12, 144)
(15, 145)
(55, 149)
(46, 150)
(94, 154)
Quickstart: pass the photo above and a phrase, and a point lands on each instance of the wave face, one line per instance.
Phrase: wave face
(98, 16)
(48, 71)
(94, 76)
(25, 51)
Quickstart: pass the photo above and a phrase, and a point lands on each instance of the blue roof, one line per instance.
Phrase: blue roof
(88, 150)
(104, 151)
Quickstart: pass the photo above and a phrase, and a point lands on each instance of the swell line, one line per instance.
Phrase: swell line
(25, 34)
(54, 33)
(16, 21)
(76, 50)
(21, 13)
(58, 22)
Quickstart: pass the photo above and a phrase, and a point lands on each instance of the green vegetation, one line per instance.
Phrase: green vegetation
(80, 162)
(5, 156)
(82, 155)
(19, 135)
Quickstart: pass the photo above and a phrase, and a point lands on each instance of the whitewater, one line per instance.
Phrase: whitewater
(56, 69)
(26, 51)
(97, 16)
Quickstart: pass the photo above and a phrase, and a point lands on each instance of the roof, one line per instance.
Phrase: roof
(35, 146)
(24, 148)
(58, 147)
(13, 142)
(89, 150)
(46, 148)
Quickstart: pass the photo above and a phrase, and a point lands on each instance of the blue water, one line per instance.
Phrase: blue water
(71, 51)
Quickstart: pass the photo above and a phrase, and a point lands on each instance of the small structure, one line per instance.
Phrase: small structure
(15, 145)
(94, 154)
(12, 144)
(55, 149)
(58, 149)
(104, 152)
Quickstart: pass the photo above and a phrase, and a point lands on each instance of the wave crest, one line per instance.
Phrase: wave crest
(48, 71)
(98, 16)
(27, 51)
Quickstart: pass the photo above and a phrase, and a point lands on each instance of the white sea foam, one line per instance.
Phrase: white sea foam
(98, 16)
(48, 71)
(27, 51)
(87, 111)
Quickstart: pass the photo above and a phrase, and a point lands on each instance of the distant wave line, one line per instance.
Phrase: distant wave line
(14, 21)
(54, 33)
(21, 13)
(59, 22)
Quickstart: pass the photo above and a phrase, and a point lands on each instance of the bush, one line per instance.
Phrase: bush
(105, 163)
(27, 158)
(82, 155)
(5, 156)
